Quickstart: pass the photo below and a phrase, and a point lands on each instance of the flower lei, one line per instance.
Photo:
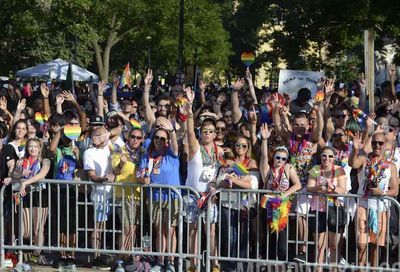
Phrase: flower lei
(342, 158)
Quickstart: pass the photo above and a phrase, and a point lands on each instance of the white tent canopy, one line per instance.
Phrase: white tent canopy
(57, 69)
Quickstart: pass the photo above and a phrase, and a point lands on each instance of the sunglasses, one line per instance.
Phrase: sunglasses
(334, 135)
(330, 156)
(208, 131)
(241, 145)
(339, 116)
(228, 116)
(391, 129)
(136, 137)
(279, 158)
(163, 139)
(220, 129)
(377, 143)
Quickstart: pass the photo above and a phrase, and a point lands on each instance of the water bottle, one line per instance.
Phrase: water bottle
(192, 212)
(120, 268)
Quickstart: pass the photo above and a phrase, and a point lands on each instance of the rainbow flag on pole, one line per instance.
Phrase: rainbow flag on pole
(126, 77)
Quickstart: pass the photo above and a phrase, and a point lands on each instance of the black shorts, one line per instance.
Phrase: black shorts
(68, 208)
(322, 223)
(39, 199)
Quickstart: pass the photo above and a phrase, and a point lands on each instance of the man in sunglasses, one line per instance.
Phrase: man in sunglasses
(373, 184)
(203, 166)
(302, 146)
(337, 119)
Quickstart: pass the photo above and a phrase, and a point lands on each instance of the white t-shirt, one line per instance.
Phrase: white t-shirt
(99, 160)
(200, 175)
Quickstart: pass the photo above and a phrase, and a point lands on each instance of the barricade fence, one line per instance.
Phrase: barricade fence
(336, 232)
(245, 230)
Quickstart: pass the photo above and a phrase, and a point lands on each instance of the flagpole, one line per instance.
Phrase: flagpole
(72, 78)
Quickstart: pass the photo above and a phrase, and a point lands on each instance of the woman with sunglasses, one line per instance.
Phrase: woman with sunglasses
(237, 207)
(282, 179)
(326, 178)
(373, 183)
(124, 163)
(160, 165)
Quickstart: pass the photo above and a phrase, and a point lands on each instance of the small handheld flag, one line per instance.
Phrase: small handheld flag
(358, 113)
(239, 169)
(41, 118)
(135, 123)
(126, 77)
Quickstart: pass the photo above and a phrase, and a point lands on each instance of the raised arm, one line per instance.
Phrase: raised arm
(202, 86)
(114, 89)
(264, 166)
(319, 126)
(363, 96)
(236, 113)
(55, 141)
(392, 75)
(20, 107)
(356, 160)
(81, 113)
(249, 79)
(59, 101)
(46, 104)
(100, 98)
(191, 136)
(148, 112)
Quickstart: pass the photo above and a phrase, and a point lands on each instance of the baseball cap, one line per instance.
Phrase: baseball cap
(96, 120)
(304, 93)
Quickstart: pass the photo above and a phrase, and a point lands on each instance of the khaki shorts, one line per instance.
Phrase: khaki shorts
(167, 213)
(366, 235)
(129, 213)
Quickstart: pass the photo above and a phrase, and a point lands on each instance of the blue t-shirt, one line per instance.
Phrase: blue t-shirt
(168, 173)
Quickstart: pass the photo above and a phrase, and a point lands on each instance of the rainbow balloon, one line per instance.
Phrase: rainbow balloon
(135, 123)
(247, 58)
(72, 132)
(41, 118)
(239, 169)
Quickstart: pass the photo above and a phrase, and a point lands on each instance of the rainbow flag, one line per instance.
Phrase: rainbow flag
(41, 118)
(135, 123)
(239, 169)
(126, 77)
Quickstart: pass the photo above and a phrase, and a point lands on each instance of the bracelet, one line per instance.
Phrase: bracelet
(45, 98)
(99, 95)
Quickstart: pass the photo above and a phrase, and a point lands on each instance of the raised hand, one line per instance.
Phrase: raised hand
(149, 78)
(68, 96)
(190, 95)
(249, 77)
(115, 79)
(253, 116)
(21, 105)
(238, 84)
(329, 86)
(362, 83)
(44, 90)
(265, 133)
(165, 123)
(357, 141)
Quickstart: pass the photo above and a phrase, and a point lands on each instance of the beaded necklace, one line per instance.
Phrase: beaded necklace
(374, 172)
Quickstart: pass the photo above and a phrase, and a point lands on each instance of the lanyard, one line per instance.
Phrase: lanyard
(275, 181)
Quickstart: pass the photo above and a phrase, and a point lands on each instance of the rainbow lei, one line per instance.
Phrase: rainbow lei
(278, 213)
(374, 173)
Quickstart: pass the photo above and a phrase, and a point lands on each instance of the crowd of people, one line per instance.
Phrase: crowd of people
(186, 137)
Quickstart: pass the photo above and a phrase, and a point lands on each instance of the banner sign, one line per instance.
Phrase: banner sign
(291, 81)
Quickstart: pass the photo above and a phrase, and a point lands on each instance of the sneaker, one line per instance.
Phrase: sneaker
(170, 267)
(300, 258)
(157, 268)
(22, 267)
(343, 262)
(100, 265)
(60, 262)
(68, 268)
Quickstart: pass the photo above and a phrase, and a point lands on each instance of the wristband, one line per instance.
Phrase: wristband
(45, 98)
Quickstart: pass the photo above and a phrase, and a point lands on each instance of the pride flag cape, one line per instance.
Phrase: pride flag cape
(126, 77)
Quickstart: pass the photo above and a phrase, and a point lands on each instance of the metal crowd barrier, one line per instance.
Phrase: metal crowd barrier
(67, 207)
(246, 243)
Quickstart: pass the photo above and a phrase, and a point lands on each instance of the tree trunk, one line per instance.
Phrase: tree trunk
(106, 62)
